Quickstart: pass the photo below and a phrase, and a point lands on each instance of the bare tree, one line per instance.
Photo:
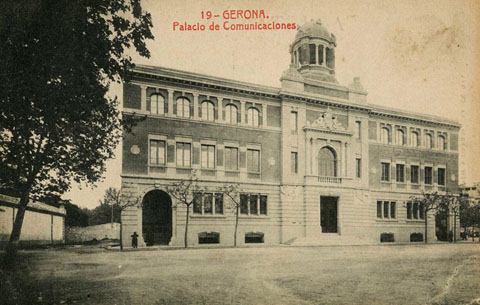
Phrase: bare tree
(429, 202)
(183, 192)
(232, 191)
(121, 200)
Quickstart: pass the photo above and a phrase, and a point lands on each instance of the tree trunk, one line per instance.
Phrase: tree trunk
(121, 232)
(186, 226)
(12, 247)
(236, 228)
(426, 227)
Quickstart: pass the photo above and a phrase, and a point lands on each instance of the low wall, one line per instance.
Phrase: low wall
(98, 232)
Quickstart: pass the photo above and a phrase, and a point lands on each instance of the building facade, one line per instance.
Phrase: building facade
(316, 163)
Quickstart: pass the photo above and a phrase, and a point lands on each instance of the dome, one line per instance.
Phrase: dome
(314, 29)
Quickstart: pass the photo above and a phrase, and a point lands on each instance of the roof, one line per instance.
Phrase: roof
(314, 29)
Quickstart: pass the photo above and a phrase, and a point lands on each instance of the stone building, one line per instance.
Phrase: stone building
(317, 163)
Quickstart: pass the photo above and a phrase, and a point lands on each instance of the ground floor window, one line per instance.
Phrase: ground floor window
(415, 210)
(386, 209)
(253, 204)
(208, 203)
(387, 237)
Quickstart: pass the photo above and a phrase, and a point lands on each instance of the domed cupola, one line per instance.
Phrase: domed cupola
(313, 52)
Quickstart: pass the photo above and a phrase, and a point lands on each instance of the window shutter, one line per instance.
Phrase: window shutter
(170, 153)
(243, 159)
(219, 157)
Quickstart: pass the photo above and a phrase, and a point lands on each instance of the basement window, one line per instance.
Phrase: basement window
(254, 238)
(208, 238)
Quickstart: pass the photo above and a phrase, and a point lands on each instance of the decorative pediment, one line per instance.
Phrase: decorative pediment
(327, 121)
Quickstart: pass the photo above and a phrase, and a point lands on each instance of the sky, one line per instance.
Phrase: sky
(419, 56)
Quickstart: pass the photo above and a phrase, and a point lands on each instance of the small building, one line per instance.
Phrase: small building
(317, 163)
(43, 224)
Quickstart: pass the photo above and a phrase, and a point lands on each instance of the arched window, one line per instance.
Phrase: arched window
(428, 140)
(183, 107)
(252, 116)
(208, 111)
(327, 162)
(385, 136)
(442, 143)
(157, 104)
(414, 139)
(231, 114)
(400, 137)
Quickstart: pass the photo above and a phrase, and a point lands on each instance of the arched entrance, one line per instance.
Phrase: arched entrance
(157, 218)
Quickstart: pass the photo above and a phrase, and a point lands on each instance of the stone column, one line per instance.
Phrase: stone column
(195, 105)
(242, 112)
(343, 172)
(143, 105)
(316, 54)
(346, 160)
(324, 56)
(219, 108)
(170, 102)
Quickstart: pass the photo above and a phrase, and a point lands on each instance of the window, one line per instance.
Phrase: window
(252, 117)
(157, 152)
(400, 137)
(312, 54)
(358, 129)
(302, 55)
(208, 156)
(400, 177)
(327, 163)
(157, 104)
(253, 160)
(231, 114)
(209, 238)
(208, 112)
(208, 203)
(320, 54)
(294, 120)
(421, 211)
(231, 158)
(183, 154)
(428, 175)
(359, 168)
(414, 139)
(442, 143)
(294, 162)
(253, 204)
(385, 171)
(385, 136)
(183, 107)
(428, 140)
(254, 237)
(386, 209)
(441, 176)
(415, 210)
(414, 174)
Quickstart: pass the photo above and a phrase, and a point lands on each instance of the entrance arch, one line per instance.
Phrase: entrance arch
(157, 218)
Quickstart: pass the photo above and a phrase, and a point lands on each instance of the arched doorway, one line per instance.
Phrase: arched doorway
(327, 162)
(157, 218)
